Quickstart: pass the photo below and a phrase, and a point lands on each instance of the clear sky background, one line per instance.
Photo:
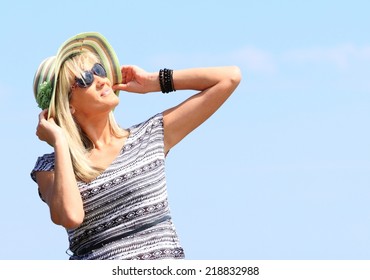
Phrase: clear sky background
(281, 171)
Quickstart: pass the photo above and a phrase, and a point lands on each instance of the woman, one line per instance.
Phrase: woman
(104, 184)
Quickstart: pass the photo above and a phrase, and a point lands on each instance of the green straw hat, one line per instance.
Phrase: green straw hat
(46, 77)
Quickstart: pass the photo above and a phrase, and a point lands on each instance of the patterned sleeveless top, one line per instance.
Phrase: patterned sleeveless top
(126, 208)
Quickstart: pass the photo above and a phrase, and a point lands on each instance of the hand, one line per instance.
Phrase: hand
(47, 130)
(135, 79)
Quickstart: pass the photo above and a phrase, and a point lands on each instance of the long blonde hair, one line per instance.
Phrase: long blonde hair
(79, 144)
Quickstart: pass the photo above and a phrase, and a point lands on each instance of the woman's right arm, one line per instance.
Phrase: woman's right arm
(59, 187)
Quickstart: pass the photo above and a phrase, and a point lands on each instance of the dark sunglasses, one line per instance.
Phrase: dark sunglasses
(88, 76)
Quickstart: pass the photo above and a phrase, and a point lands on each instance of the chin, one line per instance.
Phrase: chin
(116, 102)
(113, 101)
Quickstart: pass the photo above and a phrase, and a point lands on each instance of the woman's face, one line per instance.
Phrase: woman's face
(94, 99)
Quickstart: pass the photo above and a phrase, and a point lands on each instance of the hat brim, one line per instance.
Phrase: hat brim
(95, 43)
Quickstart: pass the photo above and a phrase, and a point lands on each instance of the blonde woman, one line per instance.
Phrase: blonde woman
(106, 185)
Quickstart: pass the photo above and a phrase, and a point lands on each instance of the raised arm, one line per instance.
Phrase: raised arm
(215, 85)
(59, 188)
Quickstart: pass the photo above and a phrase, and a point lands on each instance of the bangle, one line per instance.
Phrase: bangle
(166, 80)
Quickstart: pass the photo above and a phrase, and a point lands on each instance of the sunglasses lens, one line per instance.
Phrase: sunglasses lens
(86, 80)
(99, 70)
(88, 76)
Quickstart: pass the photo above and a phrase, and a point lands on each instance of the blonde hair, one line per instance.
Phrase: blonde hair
(79, 144)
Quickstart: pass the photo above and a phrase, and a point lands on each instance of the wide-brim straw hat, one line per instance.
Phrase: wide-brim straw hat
(46, 77)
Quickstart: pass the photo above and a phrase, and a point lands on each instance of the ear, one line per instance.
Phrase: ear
(72, 109)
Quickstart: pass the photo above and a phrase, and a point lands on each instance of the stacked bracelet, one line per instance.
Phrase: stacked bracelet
(166, 80)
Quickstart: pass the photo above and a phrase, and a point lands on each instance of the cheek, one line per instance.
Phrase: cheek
(85, 100)
(78, 99)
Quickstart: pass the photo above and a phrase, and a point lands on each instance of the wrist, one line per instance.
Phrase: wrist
(60, 141)
(165, 78)
(154, 82)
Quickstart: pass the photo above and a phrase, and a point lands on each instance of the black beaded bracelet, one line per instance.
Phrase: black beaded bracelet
(166, 80)
(161, 83)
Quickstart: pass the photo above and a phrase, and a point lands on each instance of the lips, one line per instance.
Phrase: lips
(106, 92)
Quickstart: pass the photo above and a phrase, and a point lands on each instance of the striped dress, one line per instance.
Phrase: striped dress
(126, 208)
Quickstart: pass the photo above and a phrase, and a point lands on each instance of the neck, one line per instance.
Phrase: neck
(97, 129)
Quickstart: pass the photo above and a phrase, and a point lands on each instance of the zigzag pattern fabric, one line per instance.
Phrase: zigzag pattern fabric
(126, 207)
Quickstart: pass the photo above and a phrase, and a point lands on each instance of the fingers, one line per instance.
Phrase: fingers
(134, 79)
(46, 128)
(128, 75)
(43, 118)
(125, 75)
(120, 87)
(43, 115)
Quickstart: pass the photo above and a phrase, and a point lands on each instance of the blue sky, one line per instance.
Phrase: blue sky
(281, 171)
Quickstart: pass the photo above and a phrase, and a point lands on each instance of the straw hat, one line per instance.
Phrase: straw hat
(46, 77)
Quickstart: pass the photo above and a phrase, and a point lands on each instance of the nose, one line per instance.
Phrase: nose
(100, 81)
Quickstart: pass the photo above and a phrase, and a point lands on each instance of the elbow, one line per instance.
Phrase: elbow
(235, 75)
(232, 78)
(70, 220)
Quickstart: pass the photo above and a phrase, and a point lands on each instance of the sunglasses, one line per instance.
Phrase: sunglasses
(88, 76)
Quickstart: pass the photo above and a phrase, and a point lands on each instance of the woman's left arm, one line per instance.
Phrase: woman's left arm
(215, 85)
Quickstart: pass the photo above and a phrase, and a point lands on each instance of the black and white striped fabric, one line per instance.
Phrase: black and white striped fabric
(126, 208)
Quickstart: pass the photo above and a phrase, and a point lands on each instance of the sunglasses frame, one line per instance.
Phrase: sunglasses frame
(95, 70)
